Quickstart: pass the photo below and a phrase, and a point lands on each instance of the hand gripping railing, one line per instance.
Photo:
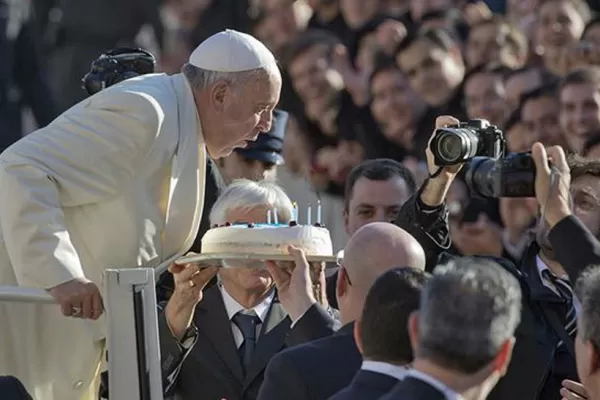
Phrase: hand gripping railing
(132, 331)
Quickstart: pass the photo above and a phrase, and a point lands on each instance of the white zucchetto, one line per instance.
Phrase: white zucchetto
(231, 51)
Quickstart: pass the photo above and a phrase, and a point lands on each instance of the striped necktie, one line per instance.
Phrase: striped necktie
(565, 291)
(247, 325)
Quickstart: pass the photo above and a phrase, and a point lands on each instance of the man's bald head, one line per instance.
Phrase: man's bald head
(378, 247)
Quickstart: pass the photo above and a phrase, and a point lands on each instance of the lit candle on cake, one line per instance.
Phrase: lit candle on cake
(319, 212)
(295, 212)
(275, 216)
(269, 216)
(308, 214)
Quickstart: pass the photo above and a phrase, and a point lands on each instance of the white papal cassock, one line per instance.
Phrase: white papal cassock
(117, 181)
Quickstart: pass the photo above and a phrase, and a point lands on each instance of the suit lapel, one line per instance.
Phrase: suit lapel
(271, 340)
(212, 320)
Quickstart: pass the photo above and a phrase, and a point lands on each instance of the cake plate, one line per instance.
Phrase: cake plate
(216, 259)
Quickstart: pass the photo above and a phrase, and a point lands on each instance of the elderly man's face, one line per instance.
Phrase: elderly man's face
(246, 280)
(245, 112)
(374, 201)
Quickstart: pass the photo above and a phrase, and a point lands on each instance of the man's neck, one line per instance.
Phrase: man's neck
(457, 382)
(328, 12)
(553, 265)
(247, 299)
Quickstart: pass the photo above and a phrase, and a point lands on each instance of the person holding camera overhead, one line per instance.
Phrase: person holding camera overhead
(544, 353)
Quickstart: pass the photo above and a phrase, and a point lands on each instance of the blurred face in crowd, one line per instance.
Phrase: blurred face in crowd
(246, 281)
(281, 23)
(579, 113)
(519, 139)
(418, 8)
(485, 97)
(374, 201)
(238, 115)
(559, 24)
(521, 83)
(394, 105)
(236, 166)
(487, 44)
(367, 51)
(540, 120)
(314, 79)
(592, 34)
(434, 73)
(357, 13)
(585, 197)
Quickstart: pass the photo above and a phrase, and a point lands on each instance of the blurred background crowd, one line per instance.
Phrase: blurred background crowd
(363, 79)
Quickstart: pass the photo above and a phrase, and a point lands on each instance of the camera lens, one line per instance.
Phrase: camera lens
(450, 147)
(481, 176)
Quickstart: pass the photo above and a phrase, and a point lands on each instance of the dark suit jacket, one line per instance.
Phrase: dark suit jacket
(12, 389)
(414, 389)
(366, 385)
(211, 369)
(314, 370)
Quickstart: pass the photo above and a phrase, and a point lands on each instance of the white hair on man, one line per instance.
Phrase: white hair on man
(244, 194)
(229, 56)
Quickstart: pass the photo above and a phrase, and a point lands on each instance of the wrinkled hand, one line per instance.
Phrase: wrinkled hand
(552, 194)
(79, 298)
(190, 280)
(572, 390)
(294, 285)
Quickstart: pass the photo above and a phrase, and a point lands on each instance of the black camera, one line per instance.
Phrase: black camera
(117, 65)
(458, 144)
(511, 176)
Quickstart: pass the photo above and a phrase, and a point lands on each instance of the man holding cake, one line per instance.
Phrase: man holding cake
(116, 181)
(209, 340)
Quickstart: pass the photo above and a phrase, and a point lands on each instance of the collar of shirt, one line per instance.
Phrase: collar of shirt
(448, 393)
(233, 307)
(395, 371)
(541, 266)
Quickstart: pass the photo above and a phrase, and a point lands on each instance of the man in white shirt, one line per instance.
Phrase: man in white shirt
(217, 344)
(463, 333)
(386, 351)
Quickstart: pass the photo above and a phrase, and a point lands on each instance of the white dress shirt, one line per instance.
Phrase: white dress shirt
(233, 307)
(541, 266)
(446, 391)
(395, 371)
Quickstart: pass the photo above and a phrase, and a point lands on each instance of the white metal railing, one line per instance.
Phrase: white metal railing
(132, 331)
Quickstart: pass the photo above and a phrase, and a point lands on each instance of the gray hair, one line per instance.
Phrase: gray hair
(246, 194)
(469, 308)
(202, 79)
(588, 293)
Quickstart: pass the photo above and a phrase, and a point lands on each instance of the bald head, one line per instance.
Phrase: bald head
(378, 247)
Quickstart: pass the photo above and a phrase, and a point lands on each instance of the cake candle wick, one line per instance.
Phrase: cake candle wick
(275, 216)
(269, 216)
(319, 212)
(308, 214)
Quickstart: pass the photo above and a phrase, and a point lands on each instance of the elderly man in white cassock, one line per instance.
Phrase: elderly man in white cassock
(116, 181)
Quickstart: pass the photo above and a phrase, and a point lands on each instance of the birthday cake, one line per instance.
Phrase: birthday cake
(267, 239)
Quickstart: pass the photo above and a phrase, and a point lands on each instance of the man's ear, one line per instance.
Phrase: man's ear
(357, 336)
(413, 330)
(218, 96)
(341, 286)
(504, 356)
(346, 217)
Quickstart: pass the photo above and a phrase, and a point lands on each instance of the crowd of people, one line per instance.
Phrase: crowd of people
(460, 297)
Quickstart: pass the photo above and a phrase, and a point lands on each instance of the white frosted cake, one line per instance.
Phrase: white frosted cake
(267, 239)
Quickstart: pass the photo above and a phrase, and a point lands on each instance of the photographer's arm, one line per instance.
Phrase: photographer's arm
(425, 215)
